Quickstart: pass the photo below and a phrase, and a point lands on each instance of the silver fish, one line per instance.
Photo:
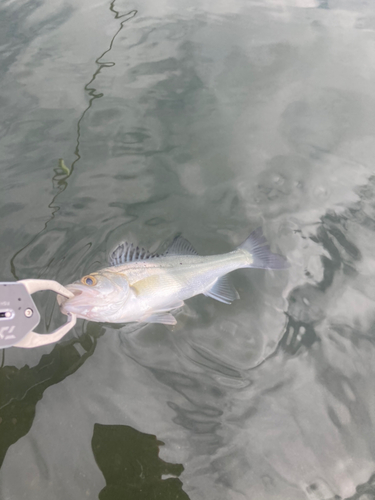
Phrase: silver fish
(144, 287)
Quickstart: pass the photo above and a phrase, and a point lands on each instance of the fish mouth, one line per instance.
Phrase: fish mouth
(83, 298)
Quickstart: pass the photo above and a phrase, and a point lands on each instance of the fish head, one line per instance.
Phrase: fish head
(97, 296)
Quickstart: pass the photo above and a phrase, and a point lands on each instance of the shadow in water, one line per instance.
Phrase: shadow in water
(21, 389)
(308, 302)
(131, 466)
(365, 491)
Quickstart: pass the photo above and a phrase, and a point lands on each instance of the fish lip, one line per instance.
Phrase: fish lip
(82, 300)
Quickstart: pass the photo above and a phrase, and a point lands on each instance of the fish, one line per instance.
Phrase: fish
(145, 287)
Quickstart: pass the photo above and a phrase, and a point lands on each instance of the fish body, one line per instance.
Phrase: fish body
(141, 287)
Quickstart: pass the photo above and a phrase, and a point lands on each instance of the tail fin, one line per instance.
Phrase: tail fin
(263, 258)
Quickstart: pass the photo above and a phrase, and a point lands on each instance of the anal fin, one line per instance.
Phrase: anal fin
(163, 316)
(223, 291)
(160, 317)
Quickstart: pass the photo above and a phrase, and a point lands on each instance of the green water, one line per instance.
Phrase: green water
(147, 120)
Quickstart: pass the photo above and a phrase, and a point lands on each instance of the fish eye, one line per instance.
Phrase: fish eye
(89, 280)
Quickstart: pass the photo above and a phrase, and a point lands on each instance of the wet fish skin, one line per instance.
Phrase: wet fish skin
(144, 288)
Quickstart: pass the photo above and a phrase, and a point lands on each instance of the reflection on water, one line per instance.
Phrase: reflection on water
(130, 463)
(21, 389)
(208, 120)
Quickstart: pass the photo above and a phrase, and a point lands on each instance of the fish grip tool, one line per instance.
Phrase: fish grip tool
(19, 314)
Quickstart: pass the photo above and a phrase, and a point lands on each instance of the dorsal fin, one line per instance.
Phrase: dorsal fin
(180, 246)
(127, 252)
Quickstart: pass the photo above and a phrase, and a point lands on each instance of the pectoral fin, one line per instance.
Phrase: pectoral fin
(223, 291)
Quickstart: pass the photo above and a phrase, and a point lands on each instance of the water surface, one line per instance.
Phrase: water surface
(206, 119)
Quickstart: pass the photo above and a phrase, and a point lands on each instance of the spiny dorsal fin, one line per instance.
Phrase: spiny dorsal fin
(127, 252)
(180, 246)
(223, 291)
